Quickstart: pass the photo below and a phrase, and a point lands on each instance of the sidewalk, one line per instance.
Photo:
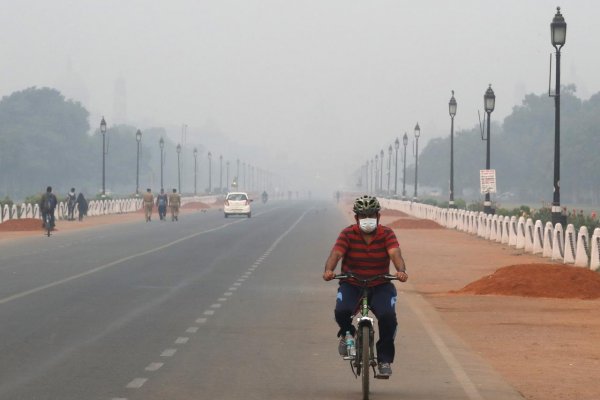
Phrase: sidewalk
(546, 348)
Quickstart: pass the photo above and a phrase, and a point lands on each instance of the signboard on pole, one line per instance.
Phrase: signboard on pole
(487, 180)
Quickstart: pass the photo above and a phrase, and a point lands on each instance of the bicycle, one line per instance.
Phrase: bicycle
(48, 223)
(365, 356)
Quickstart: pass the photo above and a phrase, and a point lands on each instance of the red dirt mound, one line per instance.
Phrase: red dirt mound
(25, 224)
(392, 213)
(196, 205)
(538, 280)
(409, 223)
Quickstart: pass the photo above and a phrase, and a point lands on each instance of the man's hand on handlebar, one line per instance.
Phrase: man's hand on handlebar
(402, 276)
(328, 275)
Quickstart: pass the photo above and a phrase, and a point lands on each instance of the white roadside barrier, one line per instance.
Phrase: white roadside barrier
(582, 258)
(529, 235)
(538, 238)
(595, 252)
(569, 256)
(548, 240)
(558, 239)
(520, 233)
(512, 231)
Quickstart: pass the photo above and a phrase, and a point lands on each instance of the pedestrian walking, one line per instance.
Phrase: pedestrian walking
(82, 206)
(174, 203)
(161, 202)
(71, 202)
(148, 199)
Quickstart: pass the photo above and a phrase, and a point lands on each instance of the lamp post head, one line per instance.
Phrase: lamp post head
(452, 105)
(209, 155)
(390, 150)
(161, 143)
(138, 136)
(558, 30)
(221, 157)
(103, 126)
(381, 153)
(405, 139)
(376, 157)
(489, 100)
(396, 144)
(178, 148)
(195, 152)
(417, 131)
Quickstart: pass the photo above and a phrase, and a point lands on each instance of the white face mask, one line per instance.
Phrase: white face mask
(367, 225)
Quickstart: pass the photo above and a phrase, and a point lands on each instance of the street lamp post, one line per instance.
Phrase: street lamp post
(452, 111)
(195, 171)
(558, 31)
(489, 101)
(376, 173)
(221, 173)
(367, 176)
(138, 139)
(417, 134)
(178, 168)
(237, 175)
(404, 142)
(161, 144)
(389, 174)
(209, 172)
(103, 132)
(227, 178)
(381, 172)
(396, 146)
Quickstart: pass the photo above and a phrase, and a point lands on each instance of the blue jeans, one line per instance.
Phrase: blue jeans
(382, 301)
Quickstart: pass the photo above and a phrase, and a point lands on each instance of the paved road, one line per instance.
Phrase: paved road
(207, 308)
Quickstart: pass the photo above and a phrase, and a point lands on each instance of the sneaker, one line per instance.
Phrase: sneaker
(342, 348)
(384, 370)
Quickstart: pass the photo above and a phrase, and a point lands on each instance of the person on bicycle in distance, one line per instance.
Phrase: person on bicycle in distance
(47, 205)
(366, 249)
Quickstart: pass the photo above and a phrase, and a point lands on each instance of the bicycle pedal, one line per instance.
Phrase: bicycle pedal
(377, 376)
(348, 357)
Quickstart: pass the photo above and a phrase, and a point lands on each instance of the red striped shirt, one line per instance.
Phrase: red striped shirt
(362, 259)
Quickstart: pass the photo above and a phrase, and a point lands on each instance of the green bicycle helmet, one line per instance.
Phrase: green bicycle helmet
(366, 205)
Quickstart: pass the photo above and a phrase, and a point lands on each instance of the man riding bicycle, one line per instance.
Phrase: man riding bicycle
(366, 249)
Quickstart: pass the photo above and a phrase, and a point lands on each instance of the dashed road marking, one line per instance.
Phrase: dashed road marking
(155, 366)
(222, 299)
(191, 329)
(216, 305)
(232, 288)
(181, 340)
(201, 320)
(227, 294)
(209, 312)
(136, 383)
(168, 353)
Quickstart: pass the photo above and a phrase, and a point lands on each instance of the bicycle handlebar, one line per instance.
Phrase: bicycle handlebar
(347, 275)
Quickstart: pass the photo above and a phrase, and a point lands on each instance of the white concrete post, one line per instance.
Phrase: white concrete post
(538, 237)
(570, 245)
(505, 230)
(595, 253)
(529, 235)
(548, 240)
(512, 231)
(521, 233)
(558, 240)
(582, 258)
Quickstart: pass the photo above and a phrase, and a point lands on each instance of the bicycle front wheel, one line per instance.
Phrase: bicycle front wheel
(365, 355)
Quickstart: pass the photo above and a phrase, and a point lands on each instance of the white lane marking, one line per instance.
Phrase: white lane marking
(136, 383)
(232, 288)
(209, 312)
(227, 294)
(236, 284)
(191, 329)
(168, 353)
(111, 264)
(201, 320)
(182, 340)
(155, 366)
(241, 280)
(216, 305)
(458, 371)
(222, 299)
(119, 398)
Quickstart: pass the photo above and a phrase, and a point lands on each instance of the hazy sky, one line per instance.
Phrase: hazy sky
(323, 84)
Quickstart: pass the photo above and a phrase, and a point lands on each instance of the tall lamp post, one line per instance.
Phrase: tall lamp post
(195, 171)
(389, 168)
(138, 139)
(161, 144)
(558, 31)
(489, 101)
(178, 168)
(376, 173)
(417, 134)
(367, 176)
(237, 175)
(209, 172)
(396, 147)
(227, 178)
(404, 142)
(221, 173)
(452, 111)
(381, 171)
(103, 132)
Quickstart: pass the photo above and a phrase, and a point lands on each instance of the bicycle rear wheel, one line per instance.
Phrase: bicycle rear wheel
(365, 355)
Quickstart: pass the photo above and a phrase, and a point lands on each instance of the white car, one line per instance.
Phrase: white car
(237, 203)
